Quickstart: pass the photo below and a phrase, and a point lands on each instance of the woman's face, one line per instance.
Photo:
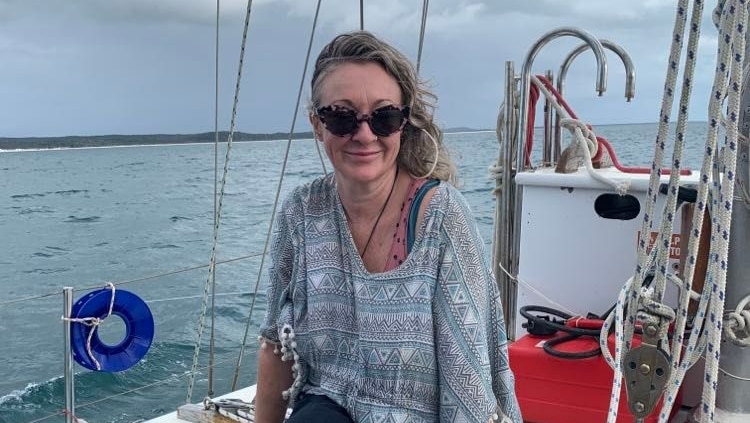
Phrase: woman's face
(362, 88)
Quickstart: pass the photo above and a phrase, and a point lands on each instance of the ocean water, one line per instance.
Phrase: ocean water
(83, 217)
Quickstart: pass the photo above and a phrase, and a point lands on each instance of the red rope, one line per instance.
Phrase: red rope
(627, 169)
(534, 97)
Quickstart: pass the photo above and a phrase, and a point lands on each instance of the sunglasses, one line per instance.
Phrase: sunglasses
(341, 121)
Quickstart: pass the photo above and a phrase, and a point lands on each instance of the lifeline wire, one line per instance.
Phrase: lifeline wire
(170, 379)
(146, 278)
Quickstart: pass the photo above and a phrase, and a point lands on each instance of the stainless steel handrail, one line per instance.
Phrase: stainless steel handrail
(511, 220)
(629, 83)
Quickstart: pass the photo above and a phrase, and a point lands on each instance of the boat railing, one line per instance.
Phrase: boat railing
(512, 160)
(68, 366)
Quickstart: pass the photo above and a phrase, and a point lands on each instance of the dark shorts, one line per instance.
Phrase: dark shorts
(318, 409)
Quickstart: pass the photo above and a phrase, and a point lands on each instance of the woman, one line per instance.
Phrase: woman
(381, 301)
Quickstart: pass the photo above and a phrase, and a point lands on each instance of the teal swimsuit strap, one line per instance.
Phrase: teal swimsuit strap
(411, 229)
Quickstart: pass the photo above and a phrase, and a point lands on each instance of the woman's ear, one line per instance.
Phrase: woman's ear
(317, 126)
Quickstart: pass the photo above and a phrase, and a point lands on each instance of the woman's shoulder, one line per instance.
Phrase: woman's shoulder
(446, 197)
(317, 193)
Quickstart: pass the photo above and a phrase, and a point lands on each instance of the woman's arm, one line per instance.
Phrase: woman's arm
(475, 379)
(274, 376)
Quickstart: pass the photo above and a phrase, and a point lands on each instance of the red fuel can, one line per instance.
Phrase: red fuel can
(558, 390)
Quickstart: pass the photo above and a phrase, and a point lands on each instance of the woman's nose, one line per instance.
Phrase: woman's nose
(364, 133)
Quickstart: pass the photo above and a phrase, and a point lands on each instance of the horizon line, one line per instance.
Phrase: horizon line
(455, 129)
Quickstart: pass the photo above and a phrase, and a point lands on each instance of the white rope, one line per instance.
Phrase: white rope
(679, 363)
(94, 323)
(729, 66)
(733, 376)
(631, 293)
(538, 292)
(732, 40)
(696, 343)
(584, 136)
(737, 326)
(156, 276)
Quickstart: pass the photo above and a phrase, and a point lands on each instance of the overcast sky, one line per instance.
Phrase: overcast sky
(95, 67)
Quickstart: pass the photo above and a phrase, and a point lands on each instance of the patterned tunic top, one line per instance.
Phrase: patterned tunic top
(424, 342)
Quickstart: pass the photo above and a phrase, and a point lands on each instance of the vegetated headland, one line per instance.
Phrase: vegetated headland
(83, 141)
(77, 141)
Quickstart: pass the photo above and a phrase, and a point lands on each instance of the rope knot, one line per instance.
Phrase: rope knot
(654, 313)
(737, 323)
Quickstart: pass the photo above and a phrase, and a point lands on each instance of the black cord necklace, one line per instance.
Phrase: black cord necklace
(380, 214)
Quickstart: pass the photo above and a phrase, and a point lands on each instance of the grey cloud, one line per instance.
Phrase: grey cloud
(137, 66)
(188, 12)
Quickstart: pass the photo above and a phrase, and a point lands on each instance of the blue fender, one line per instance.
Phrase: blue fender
(139, 330)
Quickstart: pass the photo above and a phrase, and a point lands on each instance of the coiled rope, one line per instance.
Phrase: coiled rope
(737, 327)
(582, 135)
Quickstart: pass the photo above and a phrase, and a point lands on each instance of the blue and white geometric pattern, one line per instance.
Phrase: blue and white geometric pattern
(424, 342)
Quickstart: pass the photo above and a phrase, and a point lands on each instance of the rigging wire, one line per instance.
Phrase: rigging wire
(361, 15)
(425, 5)
(212, 263)
(277, 196)
(211, 347)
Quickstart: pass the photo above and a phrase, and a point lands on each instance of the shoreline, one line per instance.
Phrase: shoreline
(18, 144)
(97, 147)
(101, 141)
(11, 145)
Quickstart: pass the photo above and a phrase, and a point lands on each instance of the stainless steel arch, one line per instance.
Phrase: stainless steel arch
(629, 84)
(512, 221)
(617, 49)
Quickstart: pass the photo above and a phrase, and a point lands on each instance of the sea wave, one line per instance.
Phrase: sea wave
(50, 251)
(18, 399)
(178, 218)
(35, 209)
(46, 271)
(19, 196)
(69, 191)
(87, 219)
